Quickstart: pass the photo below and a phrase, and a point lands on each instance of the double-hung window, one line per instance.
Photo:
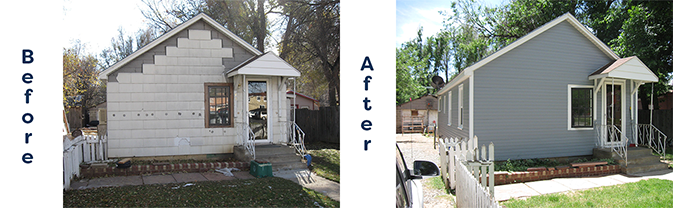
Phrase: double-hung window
(580, 107)
(219, 105)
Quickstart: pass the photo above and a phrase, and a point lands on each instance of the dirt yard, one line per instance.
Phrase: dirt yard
(418, 147)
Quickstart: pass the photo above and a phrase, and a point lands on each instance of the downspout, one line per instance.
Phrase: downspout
(245, 105)
(651, 107)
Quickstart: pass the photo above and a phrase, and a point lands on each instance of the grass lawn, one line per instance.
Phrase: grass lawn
(645, 193)
(264, 192)
(325, 160)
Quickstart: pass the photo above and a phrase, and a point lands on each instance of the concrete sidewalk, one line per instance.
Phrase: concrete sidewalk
(302, 177)
(310, 180)
(528, 189)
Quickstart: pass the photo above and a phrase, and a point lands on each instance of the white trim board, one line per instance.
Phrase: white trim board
(569, 106)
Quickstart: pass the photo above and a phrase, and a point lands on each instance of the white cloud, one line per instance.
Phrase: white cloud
(410, 19)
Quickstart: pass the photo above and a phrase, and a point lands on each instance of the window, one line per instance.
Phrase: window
(580, 107)
(219, 105)
(439, 108)
(449, 104)
(460, 106)
(414, 113)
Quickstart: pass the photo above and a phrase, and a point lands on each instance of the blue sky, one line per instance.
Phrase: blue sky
(411, 15)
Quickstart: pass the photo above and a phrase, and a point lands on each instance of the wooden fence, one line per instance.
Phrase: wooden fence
(469, 172)
(82, 149)
(662, 119)
(319, 125)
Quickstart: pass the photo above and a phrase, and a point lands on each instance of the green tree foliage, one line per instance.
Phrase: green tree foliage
(647, 33)
(413, 68)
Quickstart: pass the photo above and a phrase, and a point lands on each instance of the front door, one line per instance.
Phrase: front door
(257, 110)
(614, 112)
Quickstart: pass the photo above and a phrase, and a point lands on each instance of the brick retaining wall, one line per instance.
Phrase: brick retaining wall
(519, 177)
(91, 172)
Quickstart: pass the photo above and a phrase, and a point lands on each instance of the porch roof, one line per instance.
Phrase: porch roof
(267, 64)
(626, 68)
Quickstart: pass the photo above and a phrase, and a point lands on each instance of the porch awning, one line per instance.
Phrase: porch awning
(267, 64)
(626, 68)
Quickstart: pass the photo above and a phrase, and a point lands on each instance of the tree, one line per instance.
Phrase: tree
(80, 78)
(125, 45)
(245, 18)
(414, 68)
(311, 40)
(647, 32)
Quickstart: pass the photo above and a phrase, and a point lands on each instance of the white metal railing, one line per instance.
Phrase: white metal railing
(650, 136)
(246, 138)
(296, 138)
(468, 171)
(610, 136)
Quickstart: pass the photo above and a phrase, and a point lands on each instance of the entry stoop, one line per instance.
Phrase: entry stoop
(639, 160)
(281, 157)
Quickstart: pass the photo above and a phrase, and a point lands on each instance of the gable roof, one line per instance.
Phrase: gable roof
(427, 102)
(627, 68)
(302, 95)
(467, 72)
(268, 64)
(174, 31)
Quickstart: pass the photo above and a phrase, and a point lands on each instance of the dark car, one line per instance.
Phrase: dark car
(409, 188)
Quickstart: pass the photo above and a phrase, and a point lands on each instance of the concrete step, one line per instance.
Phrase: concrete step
(636, 160)
(263, 150)
(638, 151)
(281, 157)
(287, 165)
(632, 152)
(640, 168)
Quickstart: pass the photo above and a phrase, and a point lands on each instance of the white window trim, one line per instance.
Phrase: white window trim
(439, 109)
(460, 106)
(448, 112)
(570, 87)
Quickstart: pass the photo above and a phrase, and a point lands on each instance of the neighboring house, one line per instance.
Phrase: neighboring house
(191, 92)
(548, 94)
(417, 115)
(665, 102)
(303, 101)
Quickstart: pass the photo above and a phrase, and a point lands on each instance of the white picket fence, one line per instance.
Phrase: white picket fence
(466, 171)
(82, 149)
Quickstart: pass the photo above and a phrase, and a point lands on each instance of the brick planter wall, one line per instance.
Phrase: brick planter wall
(92, 172)
(519, 177)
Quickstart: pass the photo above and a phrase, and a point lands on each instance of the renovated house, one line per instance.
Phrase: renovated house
(556, 92)
(196, 90)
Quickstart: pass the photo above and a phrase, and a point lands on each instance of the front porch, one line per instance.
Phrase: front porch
(615, 102)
